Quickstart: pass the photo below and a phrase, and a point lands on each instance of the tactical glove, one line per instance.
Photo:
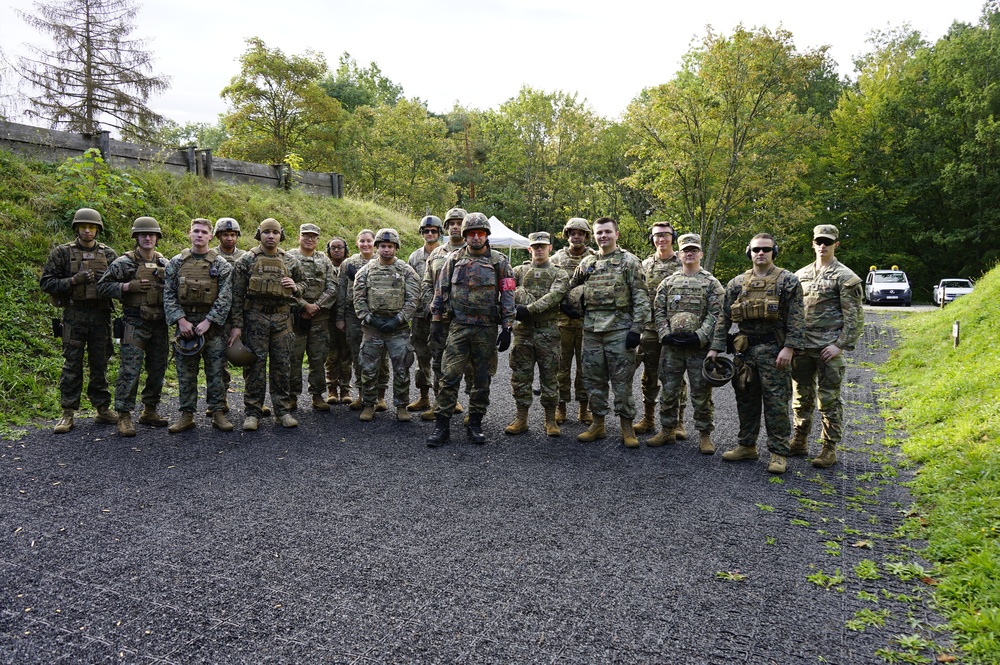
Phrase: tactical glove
(437, 332)
(83, 277)
(521, 313)
(632, 340)
(503, 341)
(687, 339)
(392, 325)
(352, 270)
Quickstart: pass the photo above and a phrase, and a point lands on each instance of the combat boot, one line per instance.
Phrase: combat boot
(380, 405)
(475, 429)
(422, 403)
(705, 445)
(221, 422)
(250, 423)
(458, 407)
(125, 427)
(288, 420)
(520, 424)
(628, 433)
(149, 416)
(679, 432)
(740, 453)
(663, 438)
(799, 445)
(441, 434)
(561, 413)
(368, 413)
(106, 415)
(185, 422)
(357, 404)
(225, 409)
(319, 403)
(647, 424)
(402, 415)
(585, 416)
(551, 424)
(827, 457)
(345, 395)
(65, 423)
(265, 411)
(777, 463)
(331, 395)
(594, 432)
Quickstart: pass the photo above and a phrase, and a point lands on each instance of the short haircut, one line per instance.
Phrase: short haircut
(606, 220)
(202, 221)
(335, 239)
(765, 236)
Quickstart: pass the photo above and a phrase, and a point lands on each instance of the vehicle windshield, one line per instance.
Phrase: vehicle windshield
(956, 284)
(890, 278)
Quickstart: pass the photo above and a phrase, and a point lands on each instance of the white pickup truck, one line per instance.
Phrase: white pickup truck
(948, 289)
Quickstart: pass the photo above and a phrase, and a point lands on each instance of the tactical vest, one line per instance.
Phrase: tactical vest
(606, 288)
(658, 270)
(759, 299)
(475, 287)
(685, 295)
(315, 278)
(148, 299)
(386, 289)
(86, 259)
(821, 298)
(538, 282)
(197, 281)
(266, 274)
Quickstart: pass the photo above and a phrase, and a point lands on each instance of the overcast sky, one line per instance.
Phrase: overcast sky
(480, 53)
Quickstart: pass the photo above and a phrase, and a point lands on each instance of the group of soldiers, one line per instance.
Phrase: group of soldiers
(592, 309)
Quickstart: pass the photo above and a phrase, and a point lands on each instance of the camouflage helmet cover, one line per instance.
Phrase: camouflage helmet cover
(88, 216)
(475, 220)
(455, 213)
(387, 235)
(146, 225)
(226, 224)
(577, 223)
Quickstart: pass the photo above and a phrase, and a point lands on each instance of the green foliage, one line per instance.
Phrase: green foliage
(866, 569)
(355, 86)
(823, 580)
(866, 618)
(88, 182)
(201, 134)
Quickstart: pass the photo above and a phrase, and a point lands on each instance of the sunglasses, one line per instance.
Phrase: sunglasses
(426, 231)
(826, 242)
(758, 250)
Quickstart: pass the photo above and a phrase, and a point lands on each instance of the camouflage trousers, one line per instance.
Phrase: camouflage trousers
(352, 329)
(227, 377)
(437, 352)
(605, 359)
(649, 354)
(570, 354)
(674, 362)
(420, 330)
(535, 346)
(770, 390)
(144, 343)
(467, 346)
(85, 330)
(315, 343)
(338, 361)
(270, 336)
(808, 374)
(375, 347)
(214, 356)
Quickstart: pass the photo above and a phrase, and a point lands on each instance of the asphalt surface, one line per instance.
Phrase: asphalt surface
(342, 541)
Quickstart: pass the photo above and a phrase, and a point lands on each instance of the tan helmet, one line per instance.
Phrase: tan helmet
(387, 235)
(146, 225)
(577, 223)
(87, 216)
(226, 224)
(239, 355)
(475, 220)
(269, 224)
(522, 296)
(684, 322)
(573, 302)
(455, 213)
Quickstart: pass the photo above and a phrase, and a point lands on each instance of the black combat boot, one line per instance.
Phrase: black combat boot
(441, 434)
(475, 429)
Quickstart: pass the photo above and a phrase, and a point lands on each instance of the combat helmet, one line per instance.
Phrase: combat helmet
(430, 221)
(718, 372)
(146, 225)
(226, 224)
(455, 213)
(87, 216)
(475, 220)
(387, 235)
(189, 347)
(577, 223)
(239, 355)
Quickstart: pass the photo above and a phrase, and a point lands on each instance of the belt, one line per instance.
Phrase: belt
(537, 324)
(268, 309)
(131, 311)
(756, 340)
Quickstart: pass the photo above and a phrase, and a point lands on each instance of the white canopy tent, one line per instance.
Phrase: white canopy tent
(501, 236)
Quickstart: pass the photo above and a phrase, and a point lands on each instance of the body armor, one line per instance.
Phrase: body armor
(266, 274)
(685, 297)
(535, 283)
(386, 289)
(197, 281)
(149, 299)
(86, 259)
(759, 299)
(606, 288)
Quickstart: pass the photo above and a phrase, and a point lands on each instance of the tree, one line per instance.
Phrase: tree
(355, 86)
(94, 76)
(279, 109)
(201, 134)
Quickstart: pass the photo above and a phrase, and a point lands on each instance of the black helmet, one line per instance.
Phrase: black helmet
(432, 221)
(718, 372)
(189, 347)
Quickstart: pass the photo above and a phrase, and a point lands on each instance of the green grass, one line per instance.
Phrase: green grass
(944, 409)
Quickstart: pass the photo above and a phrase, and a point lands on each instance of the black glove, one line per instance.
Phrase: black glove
(437, 332)
(352, 270)
(632, 340)
(667, 339)
(568, 310)
(521, 313)
(687, 339)
(392, 325)
(503, 341)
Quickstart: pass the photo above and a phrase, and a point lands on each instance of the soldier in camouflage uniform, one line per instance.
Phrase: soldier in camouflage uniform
(577, 232)
(540, 288)
(312, 318)
(766, 303)
(617, 309)
(266, 281)
(197, 297)
(420, 330)
(136, 278)
(476, 286)
(834, 319)
(660, 264)
(385, 297)
(227, 232)
(70, 277)
(685, 309)
(453, 225)
(338, 361)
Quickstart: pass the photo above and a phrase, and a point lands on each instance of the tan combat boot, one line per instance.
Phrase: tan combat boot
(185, 422)
(647, 424)
(799, 445)
(402, 415)
(380, 405)
(520, 424)
(149, 416)
(827, 457)
(319, 403)
(65, 423)
(628, 433)
(585, 416)
(679, 432)
(705, 445)
(357, 404)
(250, 423)
(740, 453)
(594, 432)
(551, 425)
(663, 438)
(459, 409)
(221, 422)
(125, 427)
(106, 415)
(422, 403)
(288, 420)
(777, 463)
(331, 395)
(561, 413)
(368, 413)
(345, 395)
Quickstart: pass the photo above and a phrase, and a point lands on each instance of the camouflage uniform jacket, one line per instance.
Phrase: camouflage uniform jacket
(563, 259)
(231, 258)
(124, 270)
(546, 284)
(345, 288)
(386, 290)
(321, 285)
(58, 271)
(615, 295)
(655, 271)
(700, 293)
(833, 310)
(433, 268)
(241, 282)
(475, 290)
(789, 324)
(418, 261)
(220, 269)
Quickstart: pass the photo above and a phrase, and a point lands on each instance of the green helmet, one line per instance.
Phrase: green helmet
(87, 216)
(226, 224)
(387, 235)
(718, 372)
(475, 220)
(455, 213)
(238, 354)
(146, 225)
(431, 221)
(577, 223)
